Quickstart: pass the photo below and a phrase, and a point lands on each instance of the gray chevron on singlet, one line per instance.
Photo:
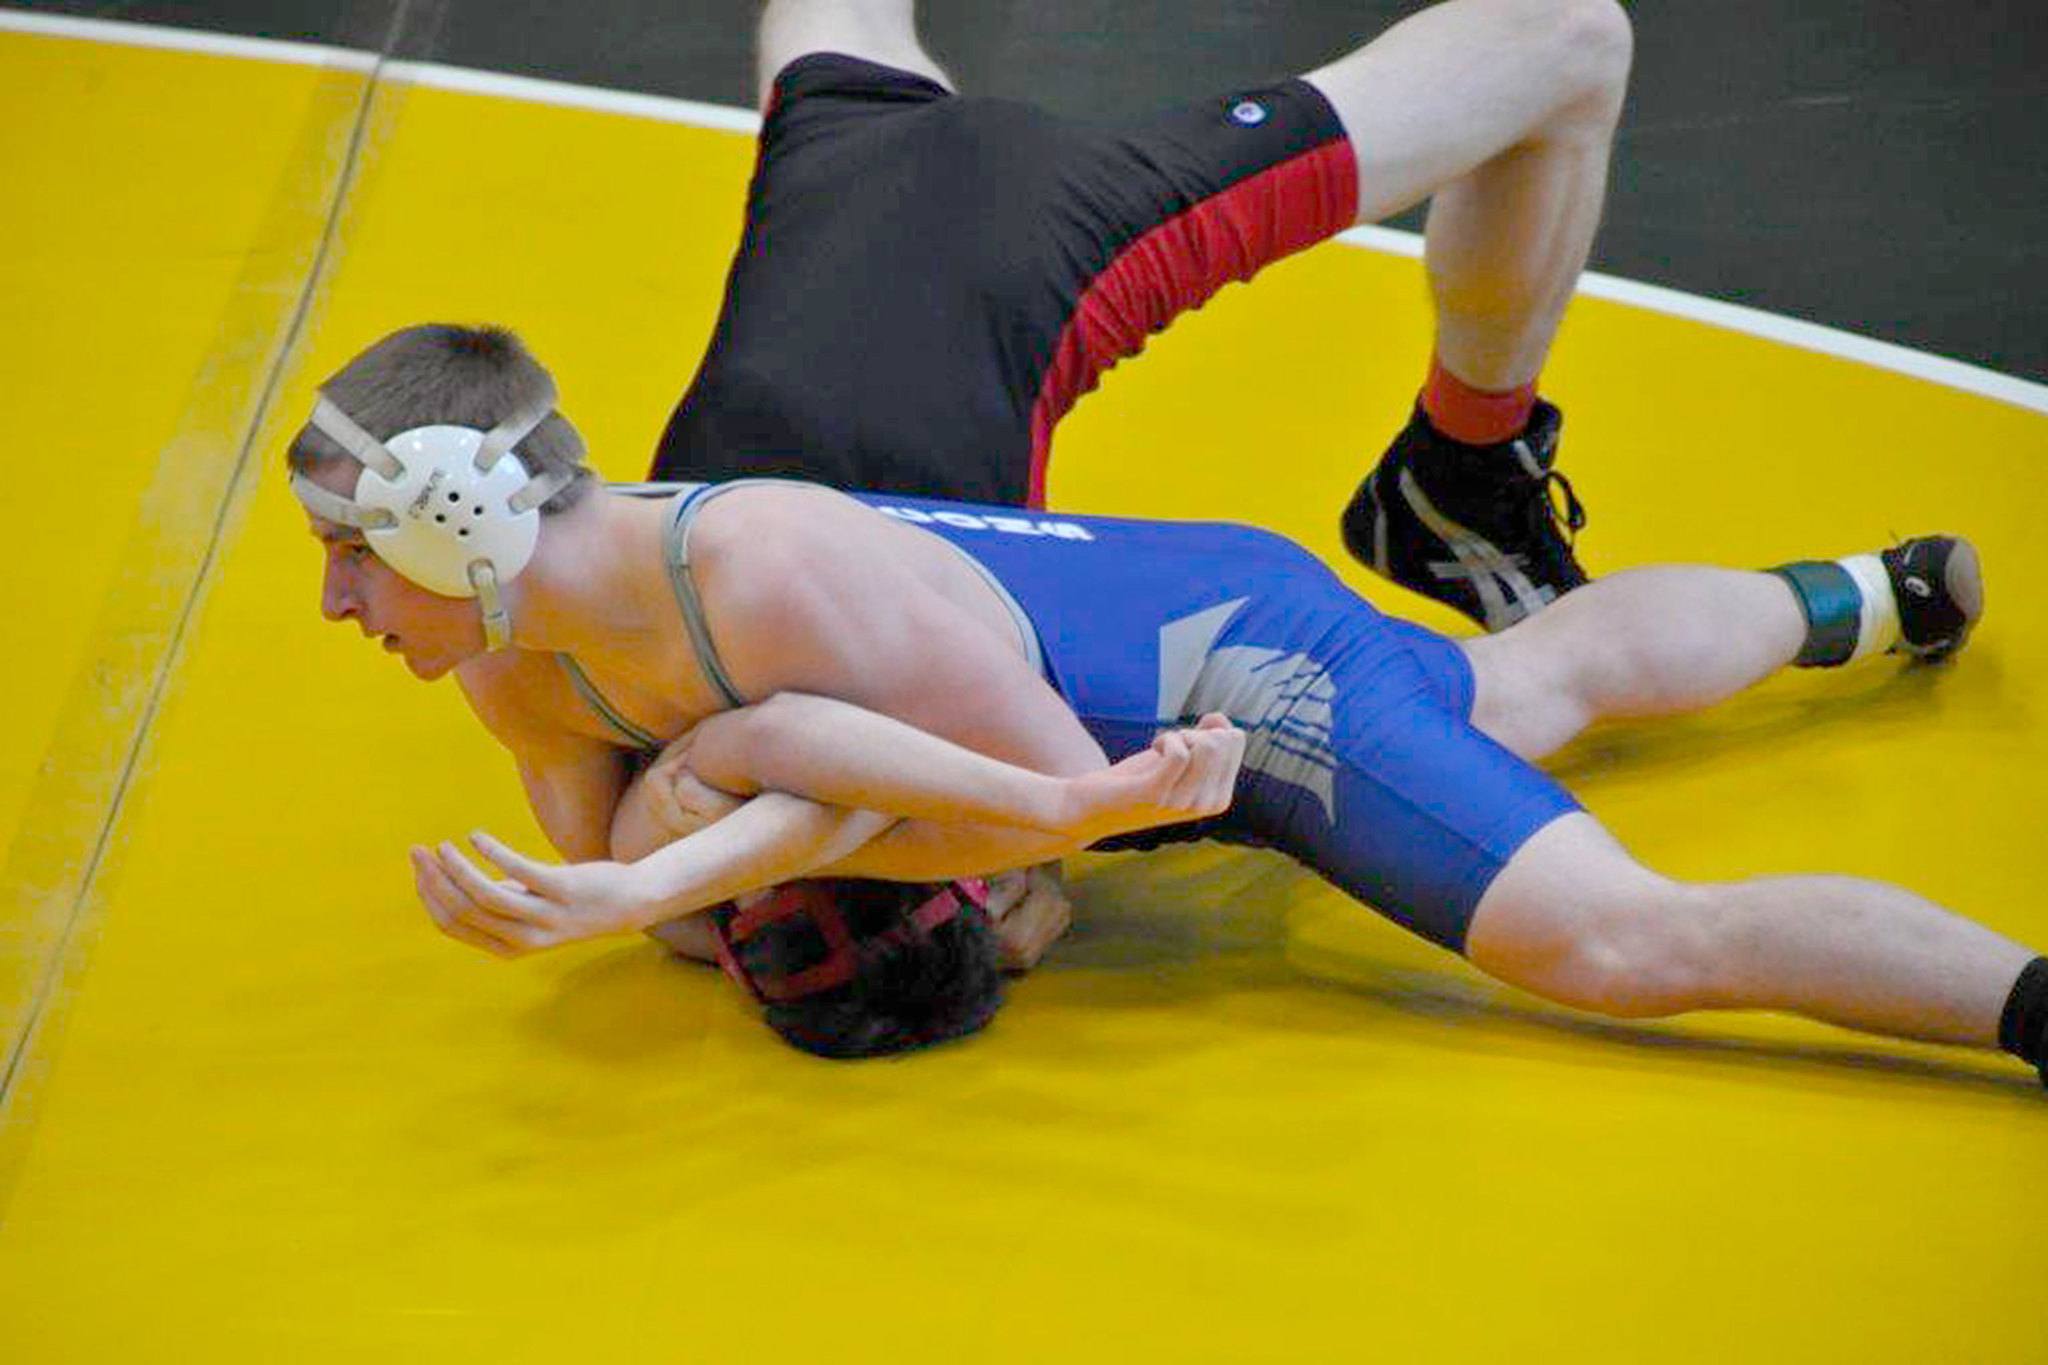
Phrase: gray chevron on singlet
(1282, 700)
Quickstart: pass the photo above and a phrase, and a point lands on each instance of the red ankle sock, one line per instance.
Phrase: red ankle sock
(1474, 416)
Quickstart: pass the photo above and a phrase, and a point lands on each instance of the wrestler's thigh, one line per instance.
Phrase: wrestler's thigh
(1410, 808)
(1457, 84)
(883, 31)
(1526, 692)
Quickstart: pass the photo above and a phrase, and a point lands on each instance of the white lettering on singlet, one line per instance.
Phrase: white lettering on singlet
(969, 521)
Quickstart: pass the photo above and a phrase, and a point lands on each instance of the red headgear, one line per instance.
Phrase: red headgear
(842, 946)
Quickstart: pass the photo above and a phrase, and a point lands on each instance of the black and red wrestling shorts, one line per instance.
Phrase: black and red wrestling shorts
(926, 282)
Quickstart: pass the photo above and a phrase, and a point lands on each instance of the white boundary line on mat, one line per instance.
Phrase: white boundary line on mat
(1806, 336)
(183, 40)
(533, 90)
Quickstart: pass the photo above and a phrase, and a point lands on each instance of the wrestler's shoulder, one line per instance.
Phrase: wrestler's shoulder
(792, 561)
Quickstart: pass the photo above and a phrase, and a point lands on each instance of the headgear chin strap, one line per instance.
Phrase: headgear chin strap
(442, 505)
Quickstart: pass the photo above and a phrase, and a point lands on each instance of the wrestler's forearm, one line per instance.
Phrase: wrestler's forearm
(845, 755)
(771, 839)
(808, 838)
(930, 851)
(638, 827)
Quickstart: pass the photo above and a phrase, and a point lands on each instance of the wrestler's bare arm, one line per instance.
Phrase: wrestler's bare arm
(652, 816)
(772, 838)
(982, 815)
(1186, 775)
(578, 789)
(776, 837)
(840, 754)
(935, 851)
(663, 805)
(646, 818)
(1026, 923)
(573, 783)
(820, 840)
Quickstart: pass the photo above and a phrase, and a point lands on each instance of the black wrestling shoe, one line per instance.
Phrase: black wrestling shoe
(1939, 586)
(1472, 526)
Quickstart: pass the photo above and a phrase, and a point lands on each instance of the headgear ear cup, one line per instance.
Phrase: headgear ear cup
(447, 507)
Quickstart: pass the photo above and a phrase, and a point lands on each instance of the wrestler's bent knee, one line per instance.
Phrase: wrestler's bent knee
(1603, 35)
(1639, 960)
(1580, 924)
(1588, 45)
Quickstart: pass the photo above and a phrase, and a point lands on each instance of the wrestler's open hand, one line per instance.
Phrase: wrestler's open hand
(539, 905)
(1186, 775)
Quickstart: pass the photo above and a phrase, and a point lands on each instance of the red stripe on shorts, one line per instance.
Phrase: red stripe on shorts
(1181, 263)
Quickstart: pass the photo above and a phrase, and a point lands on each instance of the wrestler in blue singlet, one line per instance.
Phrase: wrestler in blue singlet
(1361, 759)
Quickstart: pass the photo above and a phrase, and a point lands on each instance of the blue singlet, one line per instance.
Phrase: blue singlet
(1361, 761)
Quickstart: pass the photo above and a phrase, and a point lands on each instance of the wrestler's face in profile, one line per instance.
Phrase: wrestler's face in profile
(430, 632)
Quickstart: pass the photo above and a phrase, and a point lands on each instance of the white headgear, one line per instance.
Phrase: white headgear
(445, 506)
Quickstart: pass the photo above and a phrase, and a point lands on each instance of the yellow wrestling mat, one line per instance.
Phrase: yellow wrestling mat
(258, 1110)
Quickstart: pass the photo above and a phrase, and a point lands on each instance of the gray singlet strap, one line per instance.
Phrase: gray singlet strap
(606, 712)
(692, 607)
(695, 495)
(1027, 634)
